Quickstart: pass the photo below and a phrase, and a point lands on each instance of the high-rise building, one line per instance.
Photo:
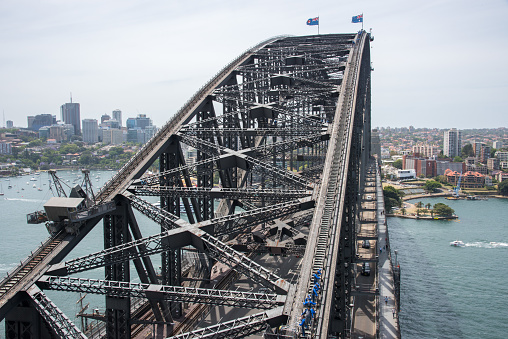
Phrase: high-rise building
(112, 136)
(105, 117)
(452, 143)
(71, 115)
(90, 131)
(9, 124)
(497, 144)
(117, 115)
(482, 151)
(40, 120)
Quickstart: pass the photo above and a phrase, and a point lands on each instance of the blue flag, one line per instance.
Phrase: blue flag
(357, 18)
(313, 21)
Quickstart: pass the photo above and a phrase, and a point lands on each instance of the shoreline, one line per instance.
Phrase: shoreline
(423, 217)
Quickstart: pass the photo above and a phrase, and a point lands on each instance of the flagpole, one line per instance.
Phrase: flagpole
(362, 21)
(318, 25)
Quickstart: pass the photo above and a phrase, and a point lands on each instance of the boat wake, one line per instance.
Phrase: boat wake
(484, 244)
(25, 200)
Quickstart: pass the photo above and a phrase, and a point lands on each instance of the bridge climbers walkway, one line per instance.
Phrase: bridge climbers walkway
(388, 308)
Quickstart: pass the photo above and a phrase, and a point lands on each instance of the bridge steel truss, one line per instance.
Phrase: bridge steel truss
(281, 138)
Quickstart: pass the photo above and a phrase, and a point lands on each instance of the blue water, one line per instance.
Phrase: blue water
(446, 292)
(450, 292)
(18, 238)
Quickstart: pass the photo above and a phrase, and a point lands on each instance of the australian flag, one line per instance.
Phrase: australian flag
(357, 18)
(313, 21)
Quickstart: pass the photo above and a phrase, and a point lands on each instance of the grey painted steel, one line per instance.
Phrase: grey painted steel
(238, 328)
(53, 316)
(158, 292)
(288, 144)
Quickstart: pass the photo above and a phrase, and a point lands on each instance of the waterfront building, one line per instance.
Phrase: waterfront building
(470, 179)
(90, 131)
(452, 143)
(5, 147)
(117, 115)
(71, 115)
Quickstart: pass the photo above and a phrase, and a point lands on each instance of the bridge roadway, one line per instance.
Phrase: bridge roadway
(326, 81)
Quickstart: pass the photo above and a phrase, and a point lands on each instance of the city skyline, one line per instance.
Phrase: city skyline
(150, 59)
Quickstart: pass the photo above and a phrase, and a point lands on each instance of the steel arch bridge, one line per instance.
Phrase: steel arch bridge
(281, 138)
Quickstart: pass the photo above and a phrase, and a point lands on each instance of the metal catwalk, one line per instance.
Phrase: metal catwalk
(258, 183)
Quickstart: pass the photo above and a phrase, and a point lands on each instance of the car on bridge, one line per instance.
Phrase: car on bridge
(366, 244)
(366, 268)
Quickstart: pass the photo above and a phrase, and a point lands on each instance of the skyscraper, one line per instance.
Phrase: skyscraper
(117, 115)
(452, 143)
(71, 115)
(90, 131)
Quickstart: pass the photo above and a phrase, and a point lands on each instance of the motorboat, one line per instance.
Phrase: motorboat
(457, 243)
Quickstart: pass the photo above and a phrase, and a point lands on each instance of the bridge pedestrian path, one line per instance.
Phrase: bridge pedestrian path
(388, 314)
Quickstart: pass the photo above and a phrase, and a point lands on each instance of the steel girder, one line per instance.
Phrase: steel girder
(288, 89)
(173, 239)
(163, 292)
(220, 193)
(53, 316)
(239, 328)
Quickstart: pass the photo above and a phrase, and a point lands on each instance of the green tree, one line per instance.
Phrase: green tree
(403, 210)
(432, 185)
(428, 205)
(419, 204)
(397, 163)
(392, 197)
(457, 159)
(467, 151)
(502, 187)
(69, 148)
(443, 209)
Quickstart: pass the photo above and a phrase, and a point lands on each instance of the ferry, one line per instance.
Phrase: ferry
(457, 243)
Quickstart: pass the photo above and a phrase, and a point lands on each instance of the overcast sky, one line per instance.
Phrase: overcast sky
(437, 63)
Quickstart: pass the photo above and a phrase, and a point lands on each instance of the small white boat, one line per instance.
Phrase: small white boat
(457, 243)
(33, 179)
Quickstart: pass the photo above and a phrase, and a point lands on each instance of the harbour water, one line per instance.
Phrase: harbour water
(446, 292)
(454, 292)
(18, 238)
